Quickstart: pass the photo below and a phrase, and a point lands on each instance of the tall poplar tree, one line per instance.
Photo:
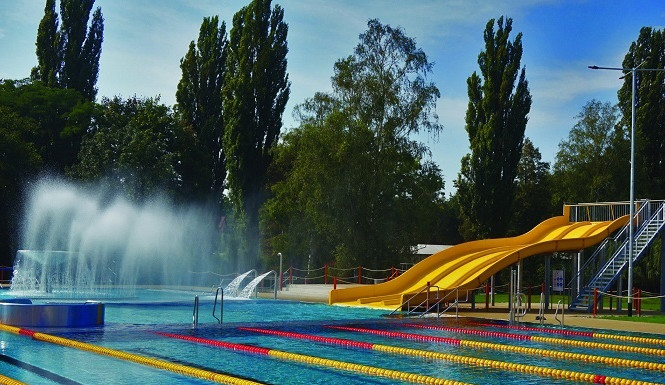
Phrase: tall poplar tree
(496, 119)
(49, 47)
(648, 52)
(254, 96)
(68, 57)
(199, 107)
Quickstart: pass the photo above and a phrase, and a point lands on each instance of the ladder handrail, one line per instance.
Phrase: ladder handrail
(221, 305)
(408, 301)
(195, 312)
(556, 313)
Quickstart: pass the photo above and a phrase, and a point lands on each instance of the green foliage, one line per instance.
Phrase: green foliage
(648, 52)
(199, 108)
(68, 57)
(496, 118)
(133, 146)
(533, 192)
(254, 96)
(61, 116)
(19, 162)
(591, 165)
(352, 186)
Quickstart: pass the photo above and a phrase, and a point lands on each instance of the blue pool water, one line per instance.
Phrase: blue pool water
(132, 323)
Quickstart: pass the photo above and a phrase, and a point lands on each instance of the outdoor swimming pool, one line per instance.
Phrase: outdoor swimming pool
(284, 335)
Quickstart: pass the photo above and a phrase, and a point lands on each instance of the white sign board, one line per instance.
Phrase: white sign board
(557, 280)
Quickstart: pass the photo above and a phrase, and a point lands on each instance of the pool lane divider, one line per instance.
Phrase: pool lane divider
(148, 361)
(501, 365)
(547, 340)
(619, 337)
(317, 361)
(4, 380)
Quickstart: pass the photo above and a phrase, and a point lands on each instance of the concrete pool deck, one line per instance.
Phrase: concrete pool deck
(319, 293)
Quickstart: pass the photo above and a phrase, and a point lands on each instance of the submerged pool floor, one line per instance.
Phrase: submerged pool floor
(283, 342)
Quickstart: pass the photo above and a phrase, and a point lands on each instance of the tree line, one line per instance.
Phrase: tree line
(348, 185)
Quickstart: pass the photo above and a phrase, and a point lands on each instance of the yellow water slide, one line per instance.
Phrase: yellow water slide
(466, 266)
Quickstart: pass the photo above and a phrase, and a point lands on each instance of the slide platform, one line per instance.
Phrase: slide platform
(466, 266)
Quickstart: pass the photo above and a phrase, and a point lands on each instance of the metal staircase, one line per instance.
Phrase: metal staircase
(603, 271)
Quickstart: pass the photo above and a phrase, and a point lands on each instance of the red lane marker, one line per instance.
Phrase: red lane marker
(311, 337)
(409, 336)
(221, 344)
(533, 329)
(26, 332)
(472, 331)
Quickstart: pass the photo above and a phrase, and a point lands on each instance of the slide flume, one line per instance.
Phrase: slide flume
(466, 266)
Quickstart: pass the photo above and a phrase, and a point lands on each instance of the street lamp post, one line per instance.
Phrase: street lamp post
(631, 225)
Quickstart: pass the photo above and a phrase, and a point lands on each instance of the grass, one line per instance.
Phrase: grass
(656, 319)
(535, 298)
(648, 305)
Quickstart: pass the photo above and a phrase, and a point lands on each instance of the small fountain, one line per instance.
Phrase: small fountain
(249, 289)
(232, 289)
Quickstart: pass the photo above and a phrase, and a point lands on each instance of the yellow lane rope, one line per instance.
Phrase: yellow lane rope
(153, 362)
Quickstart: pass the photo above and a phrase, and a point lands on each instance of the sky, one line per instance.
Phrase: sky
(145, 40)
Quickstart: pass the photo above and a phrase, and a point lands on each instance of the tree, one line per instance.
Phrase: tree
(591, 165)
(19, 162)
(68, 57)
(62, 117)
(648, 51)
(496, 119)
(132, 146)
(254, 96)
(199, 107)
(49, 47)
(533, 191)
(355, 187)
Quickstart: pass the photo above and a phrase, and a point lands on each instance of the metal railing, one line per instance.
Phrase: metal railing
(556, 313)
(425, 302)
(195, 312)
(221, 305)
(649, 220)
(598, 211)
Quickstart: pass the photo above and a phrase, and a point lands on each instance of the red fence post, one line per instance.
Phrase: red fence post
(487, 295)
(360, 274)
(334, 283)
(595, 300)
(325, 274)
(639, 302)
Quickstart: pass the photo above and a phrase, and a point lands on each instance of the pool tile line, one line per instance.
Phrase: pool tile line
(318, 361)
(570, 375)
(619, 337)
(153, 362)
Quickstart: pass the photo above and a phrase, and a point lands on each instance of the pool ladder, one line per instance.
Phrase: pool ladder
(195, 313)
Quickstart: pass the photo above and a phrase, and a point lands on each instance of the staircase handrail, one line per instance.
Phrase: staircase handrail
(620, 239)
(638, 234)
(618, 260)
(408, 301)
